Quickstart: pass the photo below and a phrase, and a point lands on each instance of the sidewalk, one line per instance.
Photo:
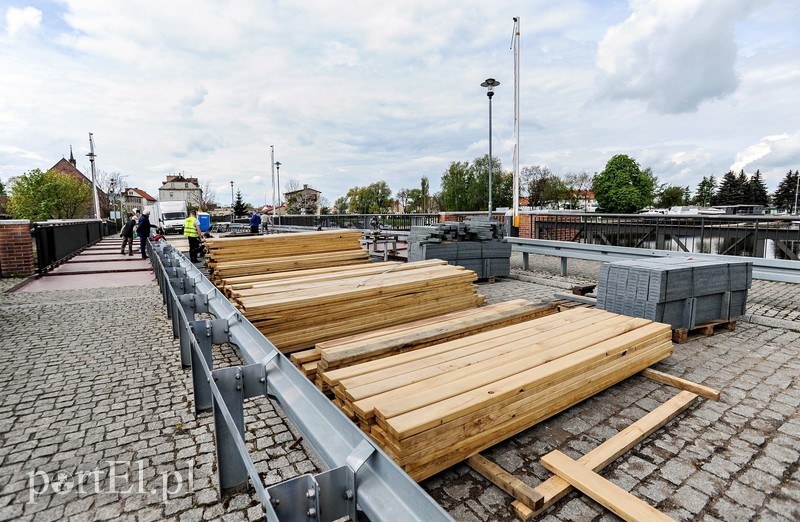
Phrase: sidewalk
(92, 376)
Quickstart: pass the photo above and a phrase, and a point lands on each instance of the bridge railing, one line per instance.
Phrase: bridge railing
(774, 237)
(358, 221)
(58, 240)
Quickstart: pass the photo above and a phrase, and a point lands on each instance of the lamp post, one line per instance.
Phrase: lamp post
(490, 84)
(278, 168)
(232, 212)
(796, 190)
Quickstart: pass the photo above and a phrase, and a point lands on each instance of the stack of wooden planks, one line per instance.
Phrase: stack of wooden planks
(298, 312)
(436, 406)
(247, 256)
(405, 337)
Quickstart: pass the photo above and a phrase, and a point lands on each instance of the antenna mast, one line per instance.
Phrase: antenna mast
(92, 156)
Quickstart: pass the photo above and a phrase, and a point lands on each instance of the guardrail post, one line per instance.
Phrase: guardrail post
(563, 266)
(188, 306)
(200, 385)
(234, 384)
(525, 260)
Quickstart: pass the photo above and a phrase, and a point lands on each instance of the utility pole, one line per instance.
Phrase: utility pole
(272, 166)
(92, 156)
(515, 217)
(796, 190)
(278, 166)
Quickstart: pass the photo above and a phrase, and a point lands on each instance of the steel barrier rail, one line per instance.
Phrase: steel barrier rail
(366, 475)
(785, 271)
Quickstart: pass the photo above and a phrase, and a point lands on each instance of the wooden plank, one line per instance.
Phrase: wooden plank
(556, 488)
(622, 503)
(681, 384)
(506, 481)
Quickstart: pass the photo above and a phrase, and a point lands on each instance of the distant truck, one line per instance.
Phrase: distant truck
(169, 215)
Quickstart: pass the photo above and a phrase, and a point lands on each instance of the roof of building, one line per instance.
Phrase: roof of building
(65, 167)
(305, 188)
(179, 178)
(142, 193)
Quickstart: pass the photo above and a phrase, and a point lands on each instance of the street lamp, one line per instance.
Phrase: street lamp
(278, 167)
(232, 202)
(490, 84)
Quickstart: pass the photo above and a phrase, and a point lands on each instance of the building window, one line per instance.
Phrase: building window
(171, 195)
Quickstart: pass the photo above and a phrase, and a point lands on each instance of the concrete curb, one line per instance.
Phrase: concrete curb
(542, 281)
(771, 322)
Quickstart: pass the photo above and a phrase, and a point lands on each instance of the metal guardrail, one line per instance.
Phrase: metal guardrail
(57, 241)
(361, 473)
(359, 221)
(787, 271)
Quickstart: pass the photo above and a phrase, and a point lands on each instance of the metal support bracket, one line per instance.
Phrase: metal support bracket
(200, 373)
(330, 495)
(235, 385)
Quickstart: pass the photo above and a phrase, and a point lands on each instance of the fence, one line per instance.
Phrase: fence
(775, 237)
(56, 241)
(361, 475)
(359, 221)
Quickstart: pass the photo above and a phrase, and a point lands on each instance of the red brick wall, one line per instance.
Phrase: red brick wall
(564, 232)
(16, 248)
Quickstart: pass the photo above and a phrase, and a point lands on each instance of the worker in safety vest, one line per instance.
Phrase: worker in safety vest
(191, 229)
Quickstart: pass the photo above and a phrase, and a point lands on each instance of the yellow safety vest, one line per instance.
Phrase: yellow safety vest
(189, 229)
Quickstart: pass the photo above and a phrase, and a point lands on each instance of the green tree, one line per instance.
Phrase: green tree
(239, 206)
(2, 188)
(757, 190)
(375, 198)
(341, 205)
(706, 191)
(671, 196)
(786, 193)
(732, 189)
(623, 187)
(38, 195)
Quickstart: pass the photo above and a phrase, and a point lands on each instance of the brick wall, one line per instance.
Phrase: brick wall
(16, 248)
(564, 231)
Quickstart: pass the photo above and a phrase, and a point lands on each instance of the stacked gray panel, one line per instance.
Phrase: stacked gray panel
(477, 244)
(682, 292)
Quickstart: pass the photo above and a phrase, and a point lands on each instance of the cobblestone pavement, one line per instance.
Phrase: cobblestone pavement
(92, 379)
(81, 385)
(736, 459)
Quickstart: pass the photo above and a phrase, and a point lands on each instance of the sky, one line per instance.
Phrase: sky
(350, 93)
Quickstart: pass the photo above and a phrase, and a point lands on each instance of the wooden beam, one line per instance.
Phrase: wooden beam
(555, 488)
(681, 384)
(506, 481)
(622, 503)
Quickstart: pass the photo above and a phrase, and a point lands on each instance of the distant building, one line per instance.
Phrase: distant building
(134, 199)
(302, 201)
(179, 188)
(69, 168)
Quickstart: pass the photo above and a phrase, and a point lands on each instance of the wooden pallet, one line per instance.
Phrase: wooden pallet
(682, 335)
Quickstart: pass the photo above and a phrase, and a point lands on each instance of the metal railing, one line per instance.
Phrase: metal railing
(775, 237)
(782, 270)
(360, 475)
(359, 221)
(57, 241)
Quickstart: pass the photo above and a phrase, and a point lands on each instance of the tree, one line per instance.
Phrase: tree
(341, 205)
(299, 200)
(402, 197)
(239, 206)
(458, 187)
(786, 193)
(732, 189)
(2, 188)
(580, 184)
(207, 200)
(706, 191)
(757, 190)
(671, 196)
(425, 188)
(372, 199)
(623, 187)
(38, 195)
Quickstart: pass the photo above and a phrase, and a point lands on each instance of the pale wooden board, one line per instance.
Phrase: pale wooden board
(556, 488)
(622, 503)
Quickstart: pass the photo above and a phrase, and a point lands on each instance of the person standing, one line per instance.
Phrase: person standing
(143, 230)
(191, 230)
(127, 235)
(255, 223)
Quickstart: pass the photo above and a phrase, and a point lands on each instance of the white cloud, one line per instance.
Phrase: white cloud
(771, 155)
(673, 55)
(22, 21)
(187, 104)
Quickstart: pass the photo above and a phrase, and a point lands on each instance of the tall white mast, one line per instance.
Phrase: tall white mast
(92, 155)
(516, 121)
(272, 166)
